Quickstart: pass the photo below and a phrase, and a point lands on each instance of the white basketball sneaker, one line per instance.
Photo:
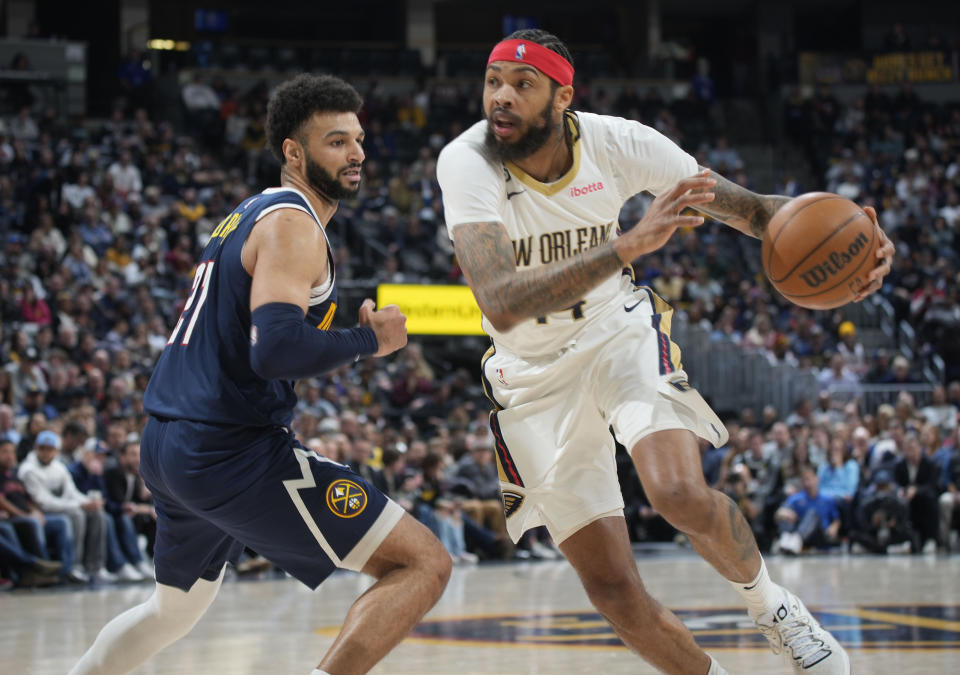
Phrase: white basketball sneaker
(793, 632)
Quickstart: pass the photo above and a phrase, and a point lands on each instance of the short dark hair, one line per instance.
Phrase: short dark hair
(75, 429)
(296, 100)
(544, 39)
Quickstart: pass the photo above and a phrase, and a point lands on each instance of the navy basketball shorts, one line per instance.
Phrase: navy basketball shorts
(218, 488)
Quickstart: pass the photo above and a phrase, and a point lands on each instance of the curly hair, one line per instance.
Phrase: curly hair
(296, 100)
(544, 39)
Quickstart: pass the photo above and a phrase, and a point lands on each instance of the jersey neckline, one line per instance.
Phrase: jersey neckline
(555, 187)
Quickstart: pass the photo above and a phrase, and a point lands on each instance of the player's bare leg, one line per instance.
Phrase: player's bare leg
(668, 464)
(411, 567)
(601, 554)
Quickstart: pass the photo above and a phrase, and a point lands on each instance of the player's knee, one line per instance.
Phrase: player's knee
(615, 593)
(440, 566)
(686, 504)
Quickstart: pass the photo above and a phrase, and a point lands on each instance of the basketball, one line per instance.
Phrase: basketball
(818, 250)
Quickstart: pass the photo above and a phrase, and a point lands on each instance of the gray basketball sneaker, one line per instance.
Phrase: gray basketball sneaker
(793, 632)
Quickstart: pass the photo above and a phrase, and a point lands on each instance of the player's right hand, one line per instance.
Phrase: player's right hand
(389, 324)
(663, 217)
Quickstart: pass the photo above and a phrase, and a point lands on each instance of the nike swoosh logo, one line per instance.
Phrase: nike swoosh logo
(514, 194)
(633, 307)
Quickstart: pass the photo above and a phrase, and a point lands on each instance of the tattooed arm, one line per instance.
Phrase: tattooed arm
(740, 208)
(750, 213)
(507, 296)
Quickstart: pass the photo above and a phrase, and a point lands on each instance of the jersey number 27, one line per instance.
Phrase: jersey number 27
(201, 283)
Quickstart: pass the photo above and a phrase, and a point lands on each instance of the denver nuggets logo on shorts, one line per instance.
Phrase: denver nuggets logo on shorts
(346, 499)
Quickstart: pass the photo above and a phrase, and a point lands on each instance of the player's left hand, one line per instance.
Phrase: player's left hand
(884, 253)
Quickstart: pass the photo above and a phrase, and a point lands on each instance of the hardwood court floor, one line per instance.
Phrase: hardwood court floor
(897, 615)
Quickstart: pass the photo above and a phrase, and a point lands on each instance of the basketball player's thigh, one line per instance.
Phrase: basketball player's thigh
(310, 515)
(187, 546)
(556, 458)
(643, 389)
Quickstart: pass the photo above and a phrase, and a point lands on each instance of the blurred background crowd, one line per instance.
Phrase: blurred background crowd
(101, 219)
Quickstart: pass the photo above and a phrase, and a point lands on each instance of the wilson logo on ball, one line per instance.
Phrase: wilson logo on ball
(835, 262)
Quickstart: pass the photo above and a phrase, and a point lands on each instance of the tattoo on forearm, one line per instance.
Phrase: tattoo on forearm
(741, 208)
(740, 532)
(487, 257)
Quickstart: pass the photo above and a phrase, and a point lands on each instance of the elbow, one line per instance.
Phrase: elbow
(497, 315)
(501, 322)
(262, 365)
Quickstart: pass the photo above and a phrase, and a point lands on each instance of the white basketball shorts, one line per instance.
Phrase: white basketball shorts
(553, 414)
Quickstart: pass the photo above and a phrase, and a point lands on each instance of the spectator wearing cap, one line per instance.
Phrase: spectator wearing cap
(854, 355)
(35, 401)
(27, 374)
(51, 487)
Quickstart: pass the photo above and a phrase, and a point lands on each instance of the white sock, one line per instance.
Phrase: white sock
(716, 668)
(142, 631)
(323, 672)
(762, 595)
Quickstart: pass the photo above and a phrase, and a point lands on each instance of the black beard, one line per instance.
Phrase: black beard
(535, 138)
(326, 183)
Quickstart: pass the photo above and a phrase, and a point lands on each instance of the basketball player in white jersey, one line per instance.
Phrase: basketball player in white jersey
(532, 195)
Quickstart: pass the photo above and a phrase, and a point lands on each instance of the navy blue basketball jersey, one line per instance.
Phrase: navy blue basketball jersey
(204, 373)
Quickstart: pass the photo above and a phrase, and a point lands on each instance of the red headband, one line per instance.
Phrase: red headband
(545, 60)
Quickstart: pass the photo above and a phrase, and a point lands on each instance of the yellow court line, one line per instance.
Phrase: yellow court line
(872, 647)
(901, 619)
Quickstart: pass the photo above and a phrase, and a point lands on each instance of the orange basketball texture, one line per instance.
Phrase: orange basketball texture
(818, 250)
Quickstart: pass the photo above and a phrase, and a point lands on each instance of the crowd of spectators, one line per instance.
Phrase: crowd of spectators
(101, 221)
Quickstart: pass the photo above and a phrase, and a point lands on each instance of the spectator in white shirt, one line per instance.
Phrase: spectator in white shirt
(125, 174)
(840, 382)
(198, 95)
(77, 194)
(940, 413)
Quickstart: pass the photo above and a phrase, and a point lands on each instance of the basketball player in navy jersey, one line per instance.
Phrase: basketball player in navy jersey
(217, 452)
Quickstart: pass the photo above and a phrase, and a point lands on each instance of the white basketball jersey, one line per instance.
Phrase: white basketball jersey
(613, 159)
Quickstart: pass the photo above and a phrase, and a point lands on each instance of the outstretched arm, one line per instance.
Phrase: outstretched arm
(507, 296)
(750, 213)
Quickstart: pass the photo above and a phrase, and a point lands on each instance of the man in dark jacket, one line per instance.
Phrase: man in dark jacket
(130, 505)
(916, 475)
